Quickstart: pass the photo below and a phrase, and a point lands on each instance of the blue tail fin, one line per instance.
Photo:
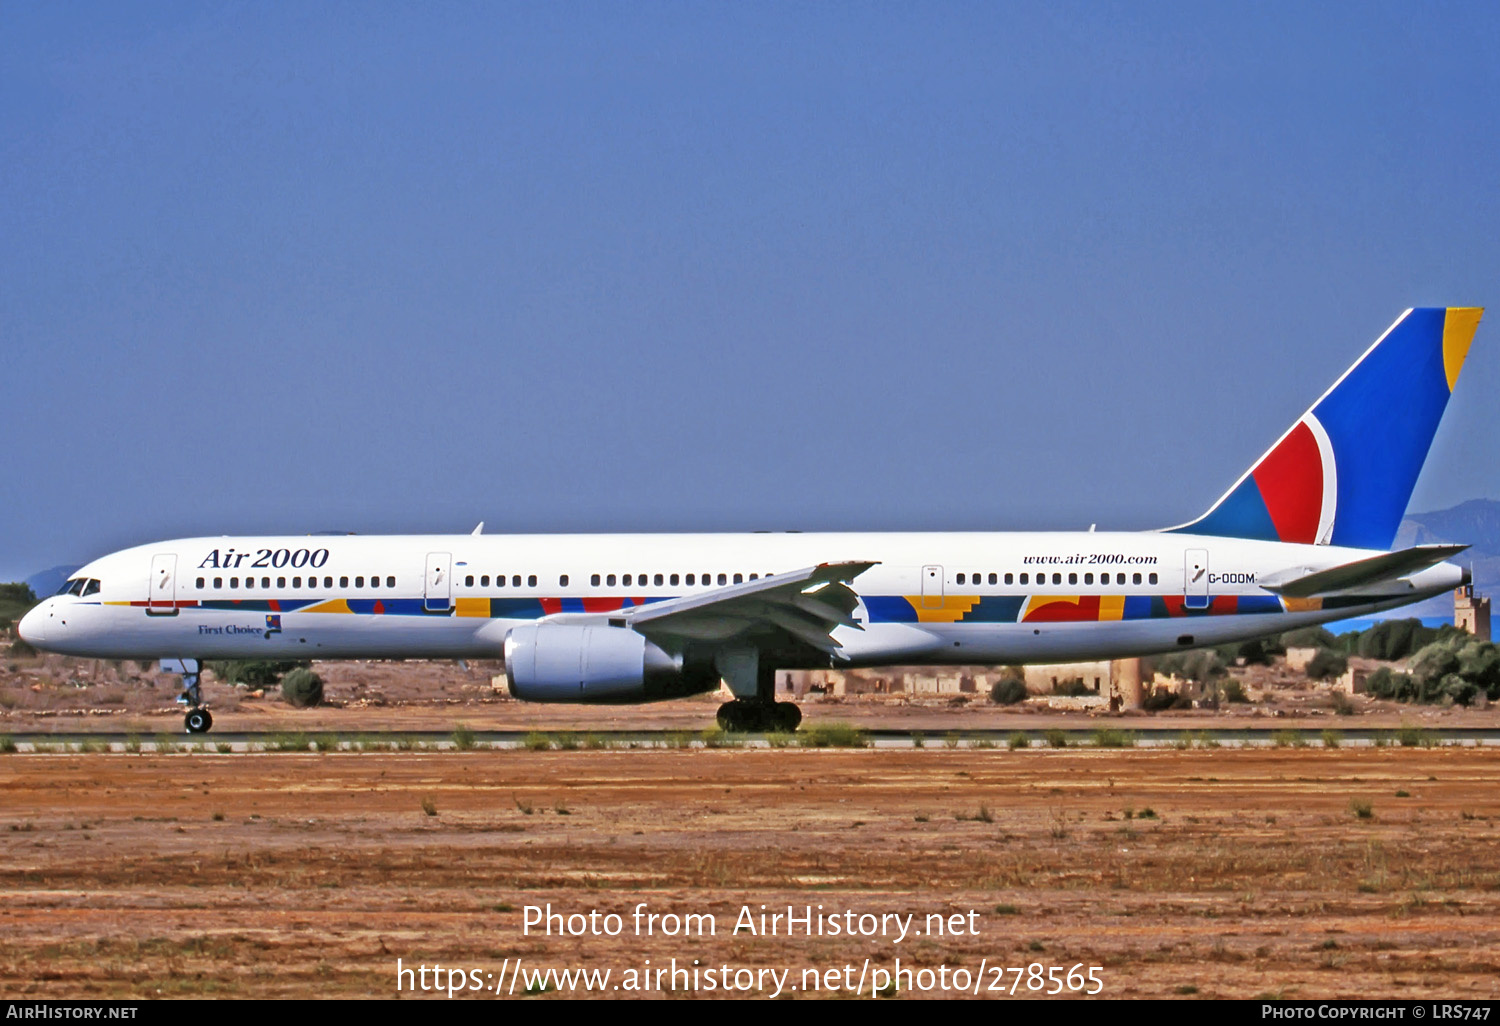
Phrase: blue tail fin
(1344, 472)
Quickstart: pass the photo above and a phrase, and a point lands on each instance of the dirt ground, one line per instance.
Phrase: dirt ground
(1206, 873)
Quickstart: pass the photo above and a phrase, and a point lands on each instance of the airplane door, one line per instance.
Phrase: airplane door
(1196, 575)
(438, 592)
(932, 587)
(161, 599)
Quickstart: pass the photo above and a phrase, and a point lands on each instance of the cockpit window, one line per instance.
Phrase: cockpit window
(68, 586)
(79, 586)
(91, 588)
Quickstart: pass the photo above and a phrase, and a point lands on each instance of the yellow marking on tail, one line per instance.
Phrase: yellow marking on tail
(1458, 335)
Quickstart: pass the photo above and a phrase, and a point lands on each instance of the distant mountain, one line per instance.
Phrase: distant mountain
(48, 581)
(1476, 522)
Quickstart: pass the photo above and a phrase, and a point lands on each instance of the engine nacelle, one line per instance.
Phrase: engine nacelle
(560, 662)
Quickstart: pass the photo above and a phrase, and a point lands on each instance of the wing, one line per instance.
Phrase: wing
(802, 607)
(1390, 566)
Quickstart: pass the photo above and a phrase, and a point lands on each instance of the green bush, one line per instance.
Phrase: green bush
(254, 672)
(833, 735)
(1308, 637)
(1056, 738)
(1008, 691)
(1018, 741)
(1234, 691)
(302, 689)
(1326, 664)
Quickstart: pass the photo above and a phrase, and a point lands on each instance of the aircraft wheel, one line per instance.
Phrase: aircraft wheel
(198, 721)
(787, 716)
(732, 716)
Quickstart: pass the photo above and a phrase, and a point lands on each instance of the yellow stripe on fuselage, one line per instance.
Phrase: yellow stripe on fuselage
(953, 609)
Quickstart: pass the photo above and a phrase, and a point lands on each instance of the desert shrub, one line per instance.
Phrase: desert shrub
(463, 737)
(21, 649)
(1479, 664)
(1387, 683)
(1327, 664)
(1018, 741)
(1074, 688)
(302, 688)
(1108, 737)
(1056, 738)
(1158, 699)
(1308, 637)
(1253, 653)
(1390, 640)
(1007, 691)
(254, 672)
(833, 735)
(1234, 691)
(1199, 664)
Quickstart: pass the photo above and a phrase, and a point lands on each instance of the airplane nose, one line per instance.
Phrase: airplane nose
(32, 627)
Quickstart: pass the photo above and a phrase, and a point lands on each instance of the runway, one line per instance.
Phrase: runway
(1270, 736)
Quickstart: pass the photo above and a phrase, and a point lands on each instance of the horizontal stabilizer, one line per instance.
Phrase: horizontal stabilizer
(1299, 583)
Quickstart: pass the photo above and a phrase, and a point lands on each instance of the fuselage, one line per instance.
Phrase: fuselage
(934, 598)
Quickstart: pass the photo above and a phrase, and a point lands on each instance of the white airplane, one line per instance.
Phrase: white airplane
(1303, 537)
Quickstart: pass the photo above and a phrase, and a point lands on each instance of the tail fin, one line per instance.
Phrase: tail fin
(1344, 472)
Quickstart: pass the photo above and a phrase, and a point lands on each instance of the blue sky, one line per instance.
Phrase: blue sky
(687, 266)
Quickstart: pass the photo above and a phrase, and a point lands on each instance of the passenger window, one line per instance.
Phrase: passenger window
(249, 582)
(960, 578)
(281, 582)
(200, 582)
(611, 580)
(755, 577)
(468, 581)
(562, 582)
(1153, 578)
(674, 580)
(1072, 578)
(1057, 578)
(234, 582)
(1089, 578)
(690, 578)
(265, 582)
(296, 582)
(343, 582)
(484, 581)
(625, 580)
(594, 580)
(515, 580)
(531, 581)
(1023, 579)
(658, 580)
(1011, 579)
(359, 582)
(328, 582)
(723, 579)
(994, 578)
(739, 578)
(218, 582)
(390, 582)
(1135, 578)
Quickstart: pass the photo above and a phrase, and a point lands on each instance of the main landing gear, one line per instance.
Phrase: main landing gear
(742, 716)
(197, 720)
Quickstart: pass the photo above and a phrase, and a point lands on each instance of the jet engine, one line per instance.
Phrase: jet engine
(559, 662)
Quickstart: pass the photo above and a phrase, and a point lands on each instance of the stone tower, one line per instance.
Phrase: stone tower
(1472, 612)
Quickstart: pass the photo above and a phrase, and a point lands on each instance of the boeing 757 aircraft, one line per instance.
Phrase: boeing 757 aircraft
(1303, 537)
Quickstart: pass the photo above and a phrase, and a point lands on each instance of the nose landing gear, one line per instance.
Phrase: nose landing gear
(198, 720)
